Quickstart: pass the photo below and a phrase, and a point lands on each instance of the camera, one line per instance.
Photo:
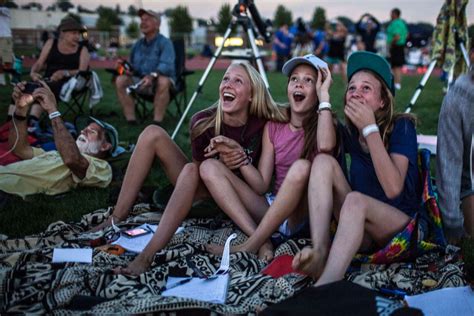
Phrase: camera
(31, 86)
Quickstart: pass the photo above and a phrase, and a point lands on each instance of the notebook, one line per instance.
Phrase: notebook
(213, 290)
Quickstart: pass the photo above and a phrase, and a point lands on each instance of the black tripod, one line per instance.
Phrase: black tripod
(240, 16)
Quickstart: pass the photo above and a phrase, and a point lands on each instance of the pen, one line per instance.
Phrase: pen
(181, 282)
(393, 292)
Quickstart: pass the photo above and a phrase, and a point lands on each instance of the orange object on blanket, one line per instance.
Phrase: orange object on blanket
(112, 249)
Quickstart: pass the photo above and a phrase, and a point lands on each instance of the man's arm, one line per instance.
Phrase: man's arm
(167, 59)
(19, 135)
(65, 144)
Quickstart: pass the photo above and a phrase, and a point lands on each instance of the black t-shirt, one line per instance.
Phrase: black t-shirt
(248, 135)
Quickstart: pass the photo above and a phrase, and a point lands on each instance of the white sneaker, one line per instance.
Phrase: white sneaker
(2, 80)
(398, 86)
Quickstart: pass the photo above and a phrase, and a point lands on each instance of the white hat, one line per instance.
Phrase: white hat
(309, 59)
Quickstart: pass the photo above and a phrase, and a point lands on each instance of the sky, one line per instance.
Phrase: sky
(412, 10)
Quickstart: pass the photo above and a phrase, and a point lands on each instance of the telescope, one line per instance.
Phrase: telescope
(264, 27)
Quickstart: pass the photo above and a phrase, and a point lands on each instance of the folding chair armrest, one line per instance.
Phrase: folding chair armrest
(187, 72)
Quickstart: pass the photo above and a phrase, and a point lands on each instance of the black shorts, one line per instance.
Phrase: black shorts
(397, 55)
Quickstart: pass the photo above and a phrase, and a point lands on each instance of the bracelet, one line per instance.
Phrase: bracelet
(324, 106)
(54, 114)
(249, 158)
(369, 129)
(19, 117)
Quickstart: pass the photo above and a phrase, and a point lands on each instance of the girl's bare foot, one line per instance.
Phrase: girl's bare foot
(266, 252)
(217, 250)
(310, 261)
(139, 265)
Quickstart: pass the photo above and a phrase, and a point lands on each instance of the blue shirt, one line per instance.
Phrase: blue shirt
(155, 55)
(320, 36)
(285, 39)
(362, 172)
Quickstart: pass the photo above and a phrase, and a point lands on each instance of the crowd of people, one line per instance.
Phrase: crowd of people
(245, 140)
(334, 44)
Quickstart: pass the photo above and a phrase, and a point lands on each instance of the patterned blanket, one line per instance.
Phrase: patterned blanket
(30, 283)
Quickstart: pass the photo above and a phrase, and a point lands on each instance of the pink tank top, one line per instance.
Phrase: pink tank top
(288, 146)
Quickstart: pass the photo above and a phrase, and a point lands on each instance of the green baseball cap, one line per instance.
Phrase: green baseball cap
(373, 62)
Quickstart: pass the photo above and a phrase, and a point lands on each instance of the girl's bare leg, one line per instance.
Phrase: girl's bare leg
(152, 142)
(188, 187)
(360, 215)
(327, 190)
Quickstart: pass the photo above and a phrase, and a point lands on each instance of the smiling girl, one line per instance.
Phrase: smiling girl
(309, 131)
(238, 117)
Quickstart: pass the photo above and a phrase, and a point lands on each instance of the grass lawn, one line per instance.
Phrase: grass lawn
(35, 213)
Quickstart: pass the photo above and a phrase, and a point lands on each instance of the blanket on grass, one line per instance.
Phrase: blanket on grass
(30, 283)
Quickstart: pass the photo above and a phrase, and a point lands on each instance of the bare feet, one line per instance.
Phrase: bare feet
(266, 252)
(139, 265)
(309, 261)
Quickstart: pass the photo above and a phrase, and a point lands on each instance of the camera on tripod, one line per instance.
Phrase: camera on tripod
(264, 27)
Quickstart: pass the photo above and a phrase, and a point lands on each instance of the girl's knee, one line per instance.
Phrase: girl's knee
(152, 134)
(355, 204)
(324, 162)
(210, 169)
(190, 169)
(299, 171)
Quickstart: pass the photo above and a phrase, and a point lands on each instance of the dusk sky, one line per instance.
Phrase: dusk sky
(412, 10)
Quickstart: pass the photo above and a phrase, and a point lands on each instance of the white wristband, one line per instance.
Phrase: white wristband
(54, 114)
(324, 105)
(369, 129)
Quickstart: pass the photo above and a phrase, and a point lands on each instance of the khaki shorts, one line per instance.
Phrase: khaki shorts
(6, 50)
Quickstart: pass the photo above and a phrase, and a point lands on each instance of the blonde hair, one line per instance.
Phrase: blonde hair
(261, 106)
(386, 116)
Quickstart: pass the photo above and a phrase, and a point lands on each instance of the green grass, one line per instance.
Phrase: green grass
(39, 211)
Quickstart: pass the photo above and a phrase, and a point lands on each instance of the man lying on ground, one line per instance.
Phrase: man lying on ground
(74, 163)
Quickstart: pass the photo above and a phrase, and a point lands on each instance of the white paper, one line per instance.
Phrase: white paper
(213, 290)
(83, 255)
(137, 244)
(456, 301)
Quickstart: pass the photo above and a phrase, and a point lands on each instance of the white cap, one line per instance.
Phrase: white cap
(309, 59)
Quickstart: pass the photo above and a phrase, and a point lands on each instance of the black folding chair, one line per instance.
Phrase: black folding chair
(178, 94)
(80, 96)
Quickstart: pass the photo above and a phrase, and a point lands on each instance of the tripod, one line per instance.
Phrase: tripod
(240, 16)
(430, 69)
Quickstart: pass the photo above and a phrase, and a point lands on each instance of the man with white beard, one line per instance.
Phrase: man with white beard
(74, 163)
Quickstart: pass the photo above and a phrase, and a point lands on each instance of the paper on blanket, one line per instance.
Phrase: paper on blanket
(83, 255)
(213, 291)
(447, 301)
(137, 244)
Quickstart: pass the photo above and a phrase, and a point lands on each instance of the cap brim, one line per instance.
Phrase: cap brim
(292, 63)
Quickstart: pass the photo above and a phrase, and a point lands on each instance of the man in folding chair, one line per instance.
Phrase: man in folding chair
(153, 63)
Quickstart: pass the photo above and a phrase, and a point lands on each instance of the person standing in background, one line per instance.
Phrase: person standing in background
(368, 31)
(397, 33)
(282, 46)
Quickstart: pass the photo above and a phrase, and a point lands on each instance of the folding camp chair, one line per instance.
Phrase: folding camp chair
(178, 93)
(80, 96)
